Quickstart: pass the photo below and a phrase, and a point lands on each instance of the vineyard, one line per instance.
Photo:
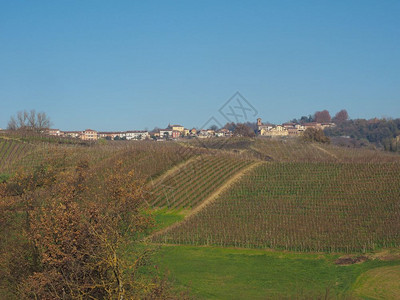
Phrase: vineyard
(222, 143)
(360, 155)
(194, 182)
(293, 150)
(302, 206)
(281, 194)
(11, 151)
(306, 197)
(147, 159)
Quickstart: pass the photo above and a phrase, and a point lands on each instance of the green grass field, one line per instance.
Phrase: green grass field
(166, 217)
(228, 273)
(379, 283)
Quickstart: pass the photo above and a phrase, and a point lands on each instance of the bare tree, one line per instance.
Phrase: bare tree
(29, 120)
(12, 124)
(42, 121)
(21, 119)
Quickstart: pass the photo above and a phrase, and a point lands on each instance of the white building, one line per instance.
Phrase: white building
(73, 134)
(166, 133)
(55, 132)
(137, 135)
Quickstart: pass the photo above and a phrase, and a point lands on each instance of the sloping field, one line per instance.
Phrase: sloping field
(222, 143)
(147, 159)
(290, 150)
(62, 155)
(302, 206)
(231, 273)
(11, 151)
(360, 155)
(189, 185)
(379, 283)
(294, 150)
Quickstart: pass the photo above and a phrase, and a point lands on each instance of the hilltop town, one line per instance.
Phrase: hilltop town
(320, 127)
(178, 131)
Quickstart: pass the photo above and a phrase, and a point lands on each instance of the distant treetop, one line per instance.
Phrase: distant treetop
(29, 120)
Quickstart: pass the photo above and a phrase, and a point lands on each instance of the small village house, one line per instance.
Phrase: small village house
(72, 134)
(54, 132)
(137, 135)
(166, 133)
(226, 132)
(193, 131)
(313, 125)
(179, 128)
(108, 135)
(176, 134)
(271, 130)
(286, 129)
(89, 135)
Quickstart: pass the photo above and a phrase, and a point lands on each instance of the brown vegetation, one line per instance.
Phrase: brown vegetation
(243, 130)
(63, 239)
(315, 135)
(322, 116)
(341, 117)
(350, 260)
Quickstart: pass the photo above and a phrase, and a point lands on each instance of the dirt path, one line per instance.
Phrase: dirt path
(210, 199)
(326, 152)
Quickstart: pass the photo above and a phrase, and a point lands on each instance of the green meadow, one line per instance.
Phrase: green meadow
(228, 273)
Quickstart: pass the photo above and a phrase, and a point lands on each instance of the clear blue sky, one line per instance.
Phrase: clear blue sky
(116, 65)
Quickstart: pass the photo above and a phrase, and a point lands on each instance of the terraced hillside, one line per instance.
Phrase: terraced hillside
(359, 155)
(294, 150)
(147, 159)
(254, 193)
(192, 183)
(11, 151)
(302, 206)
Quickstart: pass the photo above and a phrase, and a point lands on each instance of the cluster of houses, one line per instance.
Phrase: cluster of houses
(171, 132)
(93, 135)
(179, 131)
(176, 131)
(288, 129)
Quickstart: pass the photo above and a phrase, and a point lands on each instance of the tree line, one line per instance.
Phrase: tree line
(380, 132)
(323, 117)
(29, 121)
